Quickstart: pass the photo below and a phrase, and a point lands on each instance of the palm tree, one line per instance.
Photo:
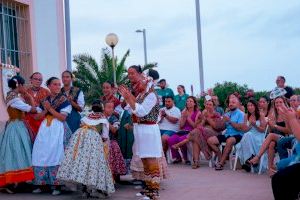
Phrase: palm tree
(149, 66)
(90, 75)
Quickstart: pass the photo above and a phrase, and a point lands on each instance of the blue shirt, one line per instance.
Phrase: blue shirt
(236, 116)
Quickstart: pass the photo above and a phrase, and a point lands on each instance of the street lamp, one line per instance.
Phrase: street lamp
(200, 60)
(145, 43)
(112, 40)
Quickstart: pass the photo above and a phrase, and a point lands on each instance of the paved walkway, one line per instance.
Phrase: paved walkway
(187, 184)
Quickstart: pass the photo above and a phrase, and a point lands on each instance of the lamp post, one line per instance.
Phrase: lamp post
(112, 40)
(200, 60)
(68, 35)
(145, 43)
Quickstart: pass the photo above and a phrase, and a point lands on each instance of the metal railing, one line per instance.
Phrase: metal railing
(15, 43)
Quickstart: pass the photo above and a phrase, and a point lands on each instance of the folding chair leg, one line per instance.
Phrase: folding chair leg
(260, 163)
(235, 160)
(211, 161)
(169, 156)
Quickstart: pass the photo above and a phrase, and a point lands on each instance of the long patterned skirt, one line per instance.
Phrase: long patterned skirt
(85, 162)
(201, 135)
(15, 154)
(116, 159)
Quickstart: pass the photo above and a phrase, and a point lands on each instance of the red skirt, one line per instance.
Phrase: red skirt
(33, 124)
(116, 160)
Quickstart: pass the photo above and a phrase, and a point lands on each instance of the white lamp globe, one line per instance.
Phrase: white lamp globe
(111, 40)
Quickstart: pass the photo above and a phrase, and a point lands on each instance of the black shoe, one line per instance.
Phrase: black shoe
(187, 162)
(246, 167)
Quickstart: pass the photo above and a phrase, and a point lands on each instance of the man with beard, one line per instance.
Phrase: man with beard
(234, 120)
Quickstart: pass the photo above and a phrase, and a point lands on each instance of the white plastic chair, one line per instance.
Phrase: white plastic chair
(262, 158)
(169, 156)
(233, 156)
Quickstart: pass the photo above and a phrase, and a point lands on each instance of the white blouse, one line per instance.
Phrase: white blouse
(19, 104)
(80, 100)
(146, 106)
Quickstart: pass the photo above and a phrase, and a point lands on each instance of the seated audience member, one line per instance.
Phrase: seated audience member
(254, 136)
(284, 182)
(239, 106)
(278, 130)
(168, 121)
(264, 105)
(286, 143)
(187, 123)
(181, 97)
(218, 108)
(210, 124)
(234, 120)
(280, 82)
(249, 94)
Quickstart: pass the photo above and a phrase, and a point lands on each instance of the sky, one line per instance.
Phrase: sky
(244, 41)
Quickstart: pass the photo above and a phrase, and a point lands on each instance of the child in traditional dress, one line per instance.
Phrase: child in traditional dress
(85, 161)
(116, 159)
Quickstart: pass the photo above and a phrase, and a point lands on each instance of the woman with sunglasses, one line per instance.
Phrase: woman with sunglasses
(38, 93)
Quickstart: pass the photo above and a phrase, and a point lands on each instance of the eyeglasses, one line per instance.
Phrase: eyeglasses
(37, 79)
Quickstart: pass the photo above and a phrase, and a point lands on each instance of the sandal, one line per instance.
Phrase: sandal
(254, 161)
(196, 164)
(219, 167)
(272, 172)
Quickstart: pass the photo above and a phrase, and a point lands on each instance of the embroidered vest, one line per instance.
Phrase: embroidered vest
(152, 117)
(14, 114)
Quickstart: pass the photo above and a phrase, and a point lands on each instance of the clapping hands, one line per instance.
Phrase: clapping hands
(124, 91)
(287, 113)
(47, 105)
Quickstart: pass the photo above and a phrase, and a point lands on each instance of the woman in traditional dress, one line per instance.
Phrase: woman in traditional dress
(85, 161)
(254, 136)
(108, 94)
(15, 143)
(148, 146)
(38, 94)
(52, 138)
(76, 99)
(116, 160)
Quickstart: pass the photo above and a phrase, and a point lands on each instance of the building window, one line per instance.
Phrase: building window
(15, 35)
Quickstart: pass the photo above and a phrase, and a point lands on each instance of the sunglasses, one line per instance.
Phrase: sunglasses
(37, 79)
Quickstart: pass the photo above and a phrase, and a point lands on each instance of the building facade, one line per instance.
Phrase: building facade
(32, 38)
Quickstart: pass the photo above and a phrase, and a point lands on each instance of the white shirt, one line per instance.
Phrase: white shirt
(143, 109)
(166, 124)
(19, 104)
(80, 100)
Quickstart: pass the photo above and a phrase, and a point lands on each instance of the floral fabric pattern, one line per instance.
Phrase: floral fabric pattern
(85, 161)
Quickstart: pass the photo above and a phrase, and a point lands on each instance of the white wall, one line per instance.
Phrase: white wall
(47, 41)
(49, 37)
